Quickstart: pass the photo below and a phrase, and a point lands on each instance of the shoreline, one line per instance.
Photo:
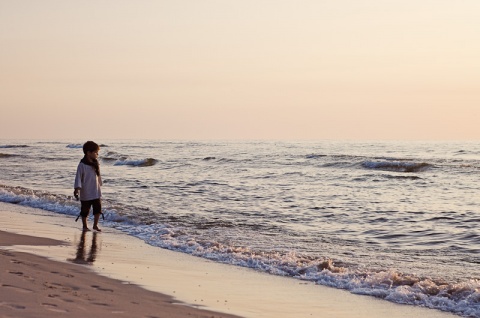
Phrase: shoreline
(196, 282)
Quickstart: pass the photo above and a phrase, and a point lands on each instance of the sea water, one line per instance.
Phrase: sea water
(395, 220)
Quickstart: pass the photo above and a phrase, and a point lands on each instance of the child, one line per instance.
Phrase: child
(88, 182)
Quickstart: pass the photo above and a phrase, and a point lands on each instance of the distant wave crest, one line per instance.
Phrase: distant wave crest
(398, 166)
(14, 146)
(137, 163)
(6, 155)
(122, 160)
(74, 146)
(113, 156)
(314, 156)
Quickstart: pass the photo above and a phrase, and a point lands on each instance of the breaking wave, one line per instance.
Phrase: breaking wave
(390, 284)
(398, 166)
(137, 163)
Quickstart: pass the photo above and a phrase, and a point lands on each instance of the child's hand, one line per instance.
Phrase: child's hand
(75, 194)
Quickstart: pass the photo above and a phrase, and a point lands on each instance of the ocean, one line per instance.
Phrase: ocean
(398, 221)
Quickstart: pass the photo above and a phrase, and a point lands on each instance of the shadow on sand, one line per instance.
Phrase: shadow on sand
(81, 256)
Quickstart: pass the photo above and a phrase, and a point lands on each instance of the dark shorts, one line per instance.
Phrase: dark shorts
(86, 205)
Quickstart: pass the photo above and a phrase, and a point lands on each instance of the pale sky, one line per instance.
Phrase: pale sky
(245, 69)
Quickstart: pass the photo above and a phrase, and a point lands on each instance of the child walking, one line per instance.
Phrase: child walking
(88, 183)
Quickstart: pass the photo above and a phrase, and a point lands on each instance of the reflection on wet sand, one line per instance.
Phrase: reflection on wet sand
(81, 256)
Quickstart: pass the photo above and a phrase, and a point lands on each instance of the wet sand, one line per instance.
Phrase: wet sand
(53, 268)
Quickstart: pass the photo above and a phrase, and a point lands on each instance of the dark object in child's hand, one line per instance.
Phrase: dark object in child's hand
(75, 194)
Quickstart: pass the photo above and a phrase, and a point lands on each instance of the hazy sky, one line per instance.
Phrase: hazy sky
(205, 69)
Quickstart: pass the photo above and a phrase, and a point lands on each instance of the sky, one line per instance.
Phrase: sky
(240, 70)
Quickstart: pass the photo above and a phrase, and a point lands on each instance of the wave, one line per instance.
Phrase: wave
(398, 166)
(314, 156)
(62, 204)
(39, 199)
(137, 163)
(403, 177)
(14, 146)
(113, 156)
(75, 146)
(6, 155)
(467, 152)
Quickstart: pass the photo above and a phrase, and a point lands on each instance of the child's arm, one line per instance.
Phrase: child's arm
(78, 182)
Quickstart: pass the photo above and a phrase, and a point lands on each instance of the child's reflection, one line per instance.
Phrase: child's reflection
(81, 256)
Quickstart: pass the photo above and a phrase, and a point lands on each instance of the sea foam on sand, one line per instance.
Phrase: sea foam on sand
(194, 281)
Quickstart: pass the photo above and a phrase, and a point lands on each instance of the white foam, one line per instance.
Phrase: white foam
(389, 285)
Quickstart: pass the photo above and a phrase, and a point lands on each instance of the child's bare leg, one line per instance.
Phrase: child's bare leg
(96, 217)
(84, 221)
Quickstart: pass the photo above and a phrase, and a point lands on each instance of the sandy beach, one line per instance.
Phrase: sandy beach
(33, 286)
(50, 268)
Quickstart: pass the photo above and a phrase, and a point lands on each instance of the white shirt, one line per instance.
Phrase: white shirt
(88, 182)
